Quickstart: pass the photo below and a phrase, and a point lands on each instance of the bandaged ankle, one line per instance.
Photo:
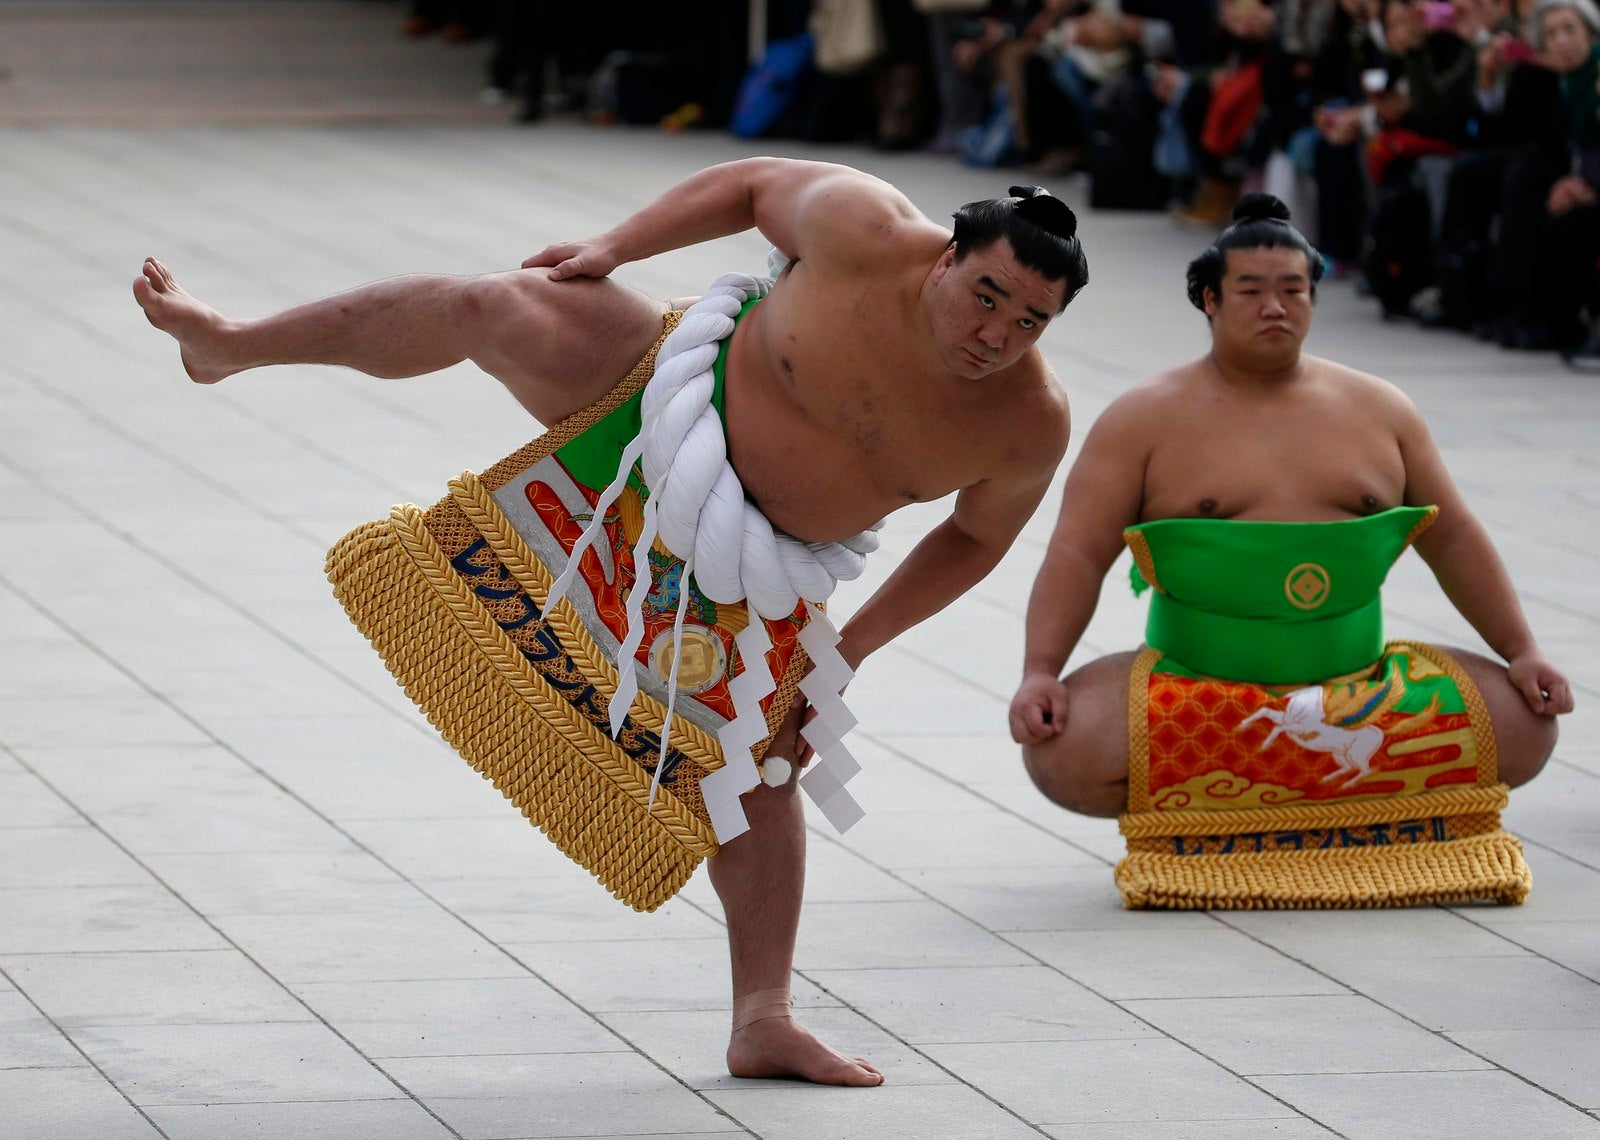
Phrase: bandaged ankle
(761, 1005)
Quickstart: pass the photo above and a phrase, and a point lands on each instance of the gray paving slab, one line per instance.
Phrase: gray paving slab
(64, 1104)
(397, 1119)
(244, 891)
(151, 987)
(1428, 1105)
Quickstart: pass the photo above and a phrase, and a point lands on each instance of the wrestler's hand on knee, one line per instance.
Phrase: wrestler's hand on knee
(1541, 684)
(587, 258)
(1039, 710)
(787, 742)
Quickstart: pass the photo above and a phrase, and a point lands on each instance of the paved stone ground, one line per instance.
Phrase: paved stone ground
(245, 892)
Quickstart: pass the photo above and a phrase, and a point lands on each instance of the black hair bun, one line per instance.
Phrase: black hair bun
(1047, 211)
(1258, 207)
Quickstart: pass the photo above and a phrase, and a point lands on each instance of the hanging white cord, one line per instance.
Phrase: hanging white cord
(698, 509)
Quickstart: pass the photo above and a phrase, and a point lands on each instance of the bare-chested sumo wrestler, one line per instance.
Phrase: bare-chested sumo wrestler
(895, 361)
(1255, 452)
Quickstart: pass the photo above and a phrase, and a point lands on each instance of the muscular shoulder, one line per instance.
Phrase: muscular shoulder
(1364, 390)
(859, 222)
(1154, 403)
(1033, 420)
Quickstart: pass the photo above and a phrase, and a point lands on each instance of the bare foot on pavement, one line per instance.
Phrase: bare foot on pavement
(778, 1047)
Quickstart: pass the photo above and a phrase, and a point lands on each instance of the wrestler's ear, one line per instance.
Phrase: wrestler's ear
(942, 266)
(1211, 300)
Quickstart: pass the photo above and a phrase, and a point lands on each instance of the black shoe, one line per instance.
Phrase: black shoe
(1523, 336)
(1584, 357)
(1444, 319)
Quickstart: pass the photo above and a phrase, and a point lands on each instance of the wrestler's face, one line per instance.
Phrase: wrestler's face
(1264, 312)
(987, 310)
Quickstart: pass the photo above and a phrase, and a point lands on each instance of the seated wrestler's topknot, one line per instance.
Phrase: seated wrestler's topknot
(1260, 221)
(1042, 230)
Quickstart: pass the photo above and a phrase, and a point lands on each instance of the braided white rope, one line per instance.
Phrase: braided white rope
(703, 511)
(697, 507)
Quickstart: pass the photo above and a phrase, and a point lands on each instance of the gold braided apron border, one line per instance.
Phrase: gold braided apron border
(505, 719)
(1342, 813)
(473, 498)
(530, 685)
(1139, 729)
(1470, 858)
(472, 495)
(1477, 707)
(1478, 867)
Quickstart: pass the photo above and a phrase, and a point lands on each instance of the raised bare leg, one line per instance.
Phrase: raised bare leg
(760, 878)
(557, 346)
(1084, 767)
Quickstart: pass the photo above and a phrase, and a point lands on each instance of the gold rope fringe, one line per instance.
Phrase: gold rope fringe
(1463, 870)
(476, 688)
(475, 502)
(1302, 814)
(1475, 860)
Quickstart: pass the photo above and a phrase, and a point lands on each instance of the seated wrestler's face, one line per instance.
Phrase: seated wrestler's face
(987, 310)
(1264, 311)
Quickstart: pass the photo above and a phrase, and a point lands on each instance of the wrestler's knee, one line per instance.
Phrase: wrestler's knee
(503, 315)
(1524, 739)
(1524, 751)
(1074, 782)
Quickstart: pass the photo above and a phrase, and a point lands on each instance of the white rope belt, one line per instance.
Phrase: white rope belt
(698, 509)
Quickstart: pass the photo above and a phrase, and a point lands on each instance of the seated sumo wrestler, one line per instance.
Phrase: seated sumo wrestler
(1265, 494)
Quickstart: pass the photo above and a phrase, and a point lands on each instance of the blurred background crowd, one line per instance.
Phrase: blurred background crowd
(1443, 153)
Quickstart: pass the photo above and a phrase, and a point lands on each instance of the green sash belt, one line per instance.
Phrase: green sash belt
(1270, 602)
(592, 457)
(1218, 645)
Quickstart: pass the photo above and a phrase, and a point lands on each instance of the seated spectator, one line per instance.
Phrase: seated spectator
(1520, 120)
(1548, 233)
(1055, 69)
(1220, 108)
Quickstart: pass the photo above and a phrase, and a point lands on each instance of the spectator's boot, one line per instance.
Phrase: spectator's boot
(1212, 206)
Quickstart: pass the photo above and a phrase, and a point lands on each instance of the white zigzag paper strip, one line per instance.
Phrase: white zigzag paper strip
(835, 767)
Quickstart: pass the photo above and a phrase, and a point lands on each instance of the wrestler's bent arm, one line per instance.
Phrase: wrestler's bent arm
(951, 558)
(1103, 495)
(1462, 557)
(794, 203)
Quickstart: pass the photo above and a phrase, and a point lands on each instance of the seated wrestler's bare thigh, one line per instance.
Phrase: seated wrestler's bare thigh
(1084, 768)
(1523, 739)
(557, 346)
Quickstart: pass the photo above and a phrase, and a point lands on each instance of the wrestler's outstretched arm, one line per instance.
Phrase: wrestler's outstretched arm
(794, 203)
(1103, 496)
(1462, 557)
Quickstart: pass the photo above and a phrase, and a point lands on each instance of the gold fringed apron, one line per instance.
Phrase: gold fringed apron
(451, 598)
(1377, 787)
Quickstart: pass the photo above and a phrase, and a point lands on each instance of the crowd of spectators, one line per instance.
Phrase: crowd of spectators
(1445, 153)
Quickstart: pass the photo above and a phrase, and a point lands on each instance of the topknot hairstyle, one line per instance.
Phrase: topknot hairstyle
(1260, 221)
(1042, 230)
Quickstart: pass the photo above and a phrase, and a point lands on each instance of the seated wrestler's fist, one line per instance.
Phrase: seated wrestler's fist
(1039, 710)
(1541, 684)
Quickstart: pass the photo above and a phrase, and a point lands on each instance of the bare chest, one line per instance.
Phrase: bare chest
(1310, 462)
(835, 418)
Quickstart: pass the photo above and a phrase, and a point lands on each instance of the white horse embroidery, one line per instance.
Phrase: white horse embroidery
(1304, 721)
